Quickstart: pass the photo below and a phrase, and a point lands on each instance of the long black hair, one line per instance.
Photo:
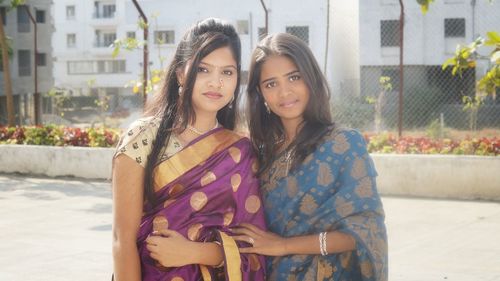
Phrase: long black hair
(266, 129)
(175, 109)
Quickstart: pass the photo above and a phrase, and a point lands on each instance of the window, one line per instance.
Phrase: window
(23, 20)
(242, 26)
(164, 37)
(104, 38)
(24, 62)
(108, 11)
(261, 32)
(108, 38)
(80, 67)
(96, 67)
(41, 59)
(70, 12)
(104, 11)
(300, 31)
(71, 40)
(131, 34)
(40, 16)
(454, 27)
(389, 33)
(3, 15)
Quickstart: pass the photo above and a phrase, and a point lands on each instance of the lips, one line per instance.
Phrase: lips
(213, 95)
(287, 104)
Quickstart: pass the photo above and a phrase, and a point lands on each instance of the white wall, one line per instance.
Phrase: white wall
(177, 15)
(425, 43)
(343, 69)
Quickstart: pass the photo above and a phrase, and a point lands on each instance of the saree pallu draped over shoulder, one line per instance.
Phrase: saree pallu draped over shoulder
(204, 190)
(334, 189)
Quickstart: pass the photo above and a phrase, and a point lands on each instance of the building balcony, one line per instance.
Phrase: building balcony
(103, 15)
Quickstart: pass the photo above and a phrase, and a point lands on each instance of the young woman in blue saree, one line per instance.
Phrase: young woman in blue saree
(324, 214)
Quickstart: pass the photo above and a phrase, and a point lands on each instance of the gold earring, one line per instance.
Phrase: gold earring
(231, 103)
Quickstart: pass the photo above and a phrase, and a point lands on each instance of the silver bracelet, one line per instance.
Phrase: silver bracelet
(322, 243)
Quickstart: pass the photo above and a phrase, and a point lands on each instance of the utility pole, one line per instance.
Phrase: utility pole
(36, 94)
(401, 67)
(145, 61)
(267, 17)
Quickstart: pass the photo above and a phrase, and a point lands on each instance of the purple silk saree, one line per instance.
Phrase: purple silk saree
(202, 191)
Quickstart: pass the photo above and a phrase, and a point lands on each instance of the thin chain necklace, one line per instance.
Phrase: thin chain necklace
(198, 132)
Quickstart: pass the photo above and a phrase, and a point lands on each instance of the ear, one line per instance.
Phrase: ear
(180, 75)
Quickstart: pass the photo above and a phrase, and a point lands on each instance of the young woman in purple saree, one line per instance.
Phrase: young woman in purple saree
(181, 178)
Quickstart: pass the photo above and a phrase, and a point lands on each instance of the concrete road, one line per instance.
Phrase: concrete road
(60, 229)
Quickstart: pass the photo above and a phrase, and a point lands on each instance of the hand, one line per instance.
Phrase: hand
(263, 242)
(170, 248)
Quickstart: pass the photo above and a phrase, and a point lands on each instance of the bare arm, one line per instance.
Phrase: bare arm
(270, 244)
(127, 185)
(171, 249)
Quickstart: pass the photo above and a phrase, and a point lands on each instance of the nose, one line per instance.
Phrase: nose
(285, 90)
(216, 82)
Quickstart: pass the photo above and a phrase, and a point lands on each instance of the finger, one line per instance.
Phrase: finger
(244, 231)
(252, 228)
(155, 256)
(153, 240)
(242, 238)
(249, 250)
(169, 233)
(151, 248)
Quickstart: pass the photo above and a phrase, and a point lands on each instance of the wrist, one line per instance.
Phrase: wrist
(284, 247)
(194, 254)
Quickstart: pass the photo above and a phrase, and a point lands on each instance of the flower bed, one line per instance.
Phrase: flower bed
(59, 136)
(385, 143)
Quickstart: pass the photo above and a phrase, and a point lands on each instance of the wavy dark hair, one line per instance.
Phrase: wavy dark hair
(266, 129)
(176, 110)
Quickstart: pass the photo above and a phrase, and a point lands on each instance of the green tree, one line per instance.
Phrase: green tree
(465, 57)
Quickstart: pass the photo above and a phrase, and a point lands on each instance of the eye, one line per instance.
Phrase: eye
(202, 69)
(270, 85)
(294, 77)
(227, 72)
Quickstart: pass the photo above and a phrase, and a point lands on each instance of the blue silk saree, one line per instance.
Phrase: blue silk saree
(334, 189)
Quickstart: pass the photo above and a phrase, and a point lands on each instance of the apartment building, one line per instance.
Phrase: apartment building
(19, 27)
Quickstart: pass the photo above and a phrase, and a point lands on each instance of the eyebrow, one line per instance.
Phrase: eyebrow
(287, 74)
(224, 66)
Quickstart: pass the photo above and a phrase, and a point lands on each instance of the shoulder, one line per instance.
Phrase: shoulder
(137, 140)
(342, 139)
(147, 126)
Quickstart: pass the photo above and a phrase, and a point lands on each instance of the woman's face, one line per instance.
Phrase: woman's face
(283, 88)
(215, 83)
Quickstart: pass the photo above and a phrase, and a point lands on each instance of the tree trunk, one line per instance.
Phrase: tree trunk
(6, 78)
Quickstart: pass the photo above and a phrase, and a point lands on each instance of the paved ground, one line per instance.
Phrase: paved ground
(60, 229)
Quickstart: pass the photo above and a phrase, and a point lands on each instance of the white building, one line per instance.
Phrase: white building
(429, 39)
(85, 29)
(19, 27)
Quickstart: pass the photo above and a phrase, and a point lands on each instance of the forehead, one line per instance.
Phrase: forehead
(277, 66)
(220, 57)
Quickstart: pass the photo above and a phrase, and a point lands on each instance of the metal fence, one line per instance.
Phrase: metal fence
(433, 98)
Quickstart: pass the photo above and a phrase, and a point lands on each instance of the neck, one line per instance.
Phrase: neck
(292, 126)
(205, 122)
